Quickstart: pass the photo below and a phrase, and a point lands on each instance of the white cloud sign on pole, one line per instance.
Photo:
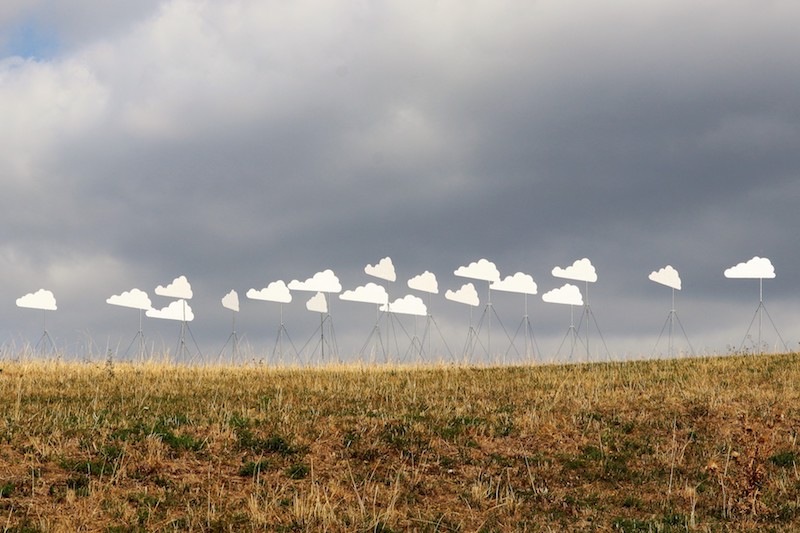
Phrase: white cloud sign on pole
(666, 276)
(483, 269)
(371, 293)
(41, 299)
(324, 281)
(179, 288)
(466, 294)
(383, 270)
(567, 294)
(231, 301)
(425, 282)
(277, 291)
(317, 303)
(178, 310)
(755, 268)
(134, 298)
(580, 270)
(407, 305)
(519, 283)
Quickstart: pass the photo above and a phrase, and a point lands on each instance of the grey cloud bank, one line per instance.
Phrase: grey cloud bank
(244, 142)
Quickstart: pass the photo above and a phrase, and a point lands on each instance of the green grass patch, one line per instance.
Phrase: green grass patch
(784, 459)
(253, 468)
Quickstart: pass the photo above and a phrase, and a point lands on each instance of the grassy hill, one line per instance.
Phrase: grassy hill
(692, 444)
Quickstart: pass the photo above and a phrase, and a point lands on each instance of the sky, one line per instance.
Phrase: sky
(243, 142)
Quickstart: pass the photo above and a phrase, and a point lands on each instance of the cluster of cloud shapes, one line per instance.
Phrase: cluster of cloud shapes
(134, 298)
(325, 281)
(407, 305)
(177, 310)
(465, 295)
(519, 282)
(755, 268)
(318, 303)
(277, 291)
(666, 276)
(371, 293)
(383, 270)
(231, 301)
(580, 270)
(567, 294)
(425, 282)
(482, 269)
(41, 299)
(179, 288)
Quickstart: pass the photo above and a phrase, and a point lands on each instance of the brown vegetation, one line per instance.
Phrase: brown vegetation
(692, 444)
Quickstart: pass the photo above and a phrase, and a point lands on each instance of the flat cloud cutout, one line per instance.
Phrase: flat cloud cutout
(756, 268)
(465, 295)
(567, 294)
(325, 281)
(371, 293)
(383, 270)
(425, 282)
(41, 299)
(173, 311)
(318, 303)
(277, 291)
(519, 282)
(407, 305)
(581, 270)
(231, 301)
(481, 269)
(135, 298)
(666, 276)
(179, 288)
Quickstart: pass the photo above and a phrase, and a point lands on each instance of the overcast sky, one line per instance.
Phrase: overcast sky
(244, 142)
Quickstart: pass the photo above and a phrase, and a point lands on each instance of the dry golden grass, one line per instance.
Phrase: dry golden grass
(698, 445)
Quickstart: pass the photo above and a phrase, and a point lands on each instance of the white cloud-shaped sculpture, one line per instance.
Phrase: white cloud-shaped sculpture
(519, 282)
(177, 310)
(580, 270)
(567, 294)
(231, 301)
(383, 270)
(134, 298)
(425, 282)
(465, 295)
(371, 293)
(756, 268)
(277, 291)
(407, 305)
(325, 281)
(179, 288)
(481, 269)
(666, 276)
(41, 299)
(318, 303)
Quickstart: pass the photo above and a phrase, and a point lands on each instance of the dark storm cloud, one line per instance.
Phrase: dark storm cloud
(251, 142)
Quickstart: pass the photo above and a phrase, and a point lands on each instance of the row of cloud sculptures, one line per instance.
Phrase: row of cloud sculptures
(325, 284)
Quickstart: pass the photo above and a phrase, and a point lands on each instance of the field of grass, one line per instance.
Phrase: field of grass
(692, 444)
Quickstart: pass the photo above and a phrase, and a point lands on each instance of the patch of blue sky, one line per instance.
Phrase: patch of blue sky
(31, 40)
